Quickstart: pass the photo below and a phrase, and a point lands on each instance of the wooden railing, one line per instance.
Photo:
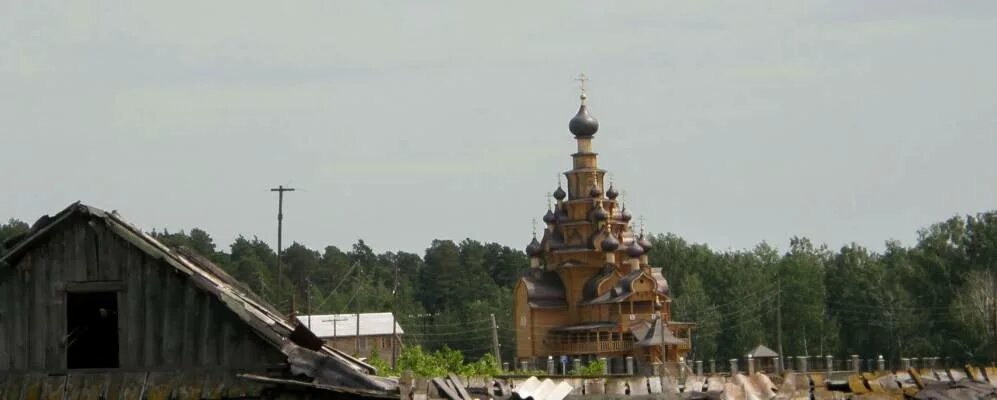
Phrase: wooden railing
(605, 346)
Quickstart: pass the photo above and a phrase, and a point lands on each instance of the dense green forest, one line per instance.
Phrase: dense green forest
(935, 298)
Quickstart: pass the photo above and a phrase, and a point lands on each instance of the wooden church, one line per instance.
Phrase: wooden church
(590, 292)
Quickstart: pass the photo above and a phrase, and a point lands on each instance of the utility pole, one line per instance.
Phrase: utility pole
(394, 324)
(993, 309)
(495, 342)
(356, 307)
(308, 301)
(778, 319)
(280, 228)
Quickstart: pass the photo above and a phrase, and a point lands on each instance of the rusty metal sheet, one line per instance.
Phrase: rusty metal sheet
(131, 387)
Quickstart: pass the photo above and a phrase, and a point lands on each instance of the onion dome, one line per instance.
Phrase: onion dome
(599, 213)
(612, 193)
(559, 193)
(583, 124)
(644, 243)
(594, 191)
(534, 249)
(609, 243)
(634, 250)
(550, 217)
(625, 215)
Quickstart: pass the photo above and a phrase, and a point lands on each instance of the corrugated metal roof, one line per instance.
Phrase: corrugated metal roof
(339, 325)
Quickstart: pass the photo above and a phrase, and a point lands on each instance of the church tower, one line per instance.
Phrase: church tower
(590, 292)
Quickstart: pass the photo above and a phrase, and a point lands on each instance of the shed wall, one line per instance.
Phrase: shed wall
(164, 321)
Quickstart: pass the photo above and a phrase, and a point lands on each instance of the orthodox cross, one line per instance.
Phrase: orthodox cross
(581, 81)
(534, 228)
(550, 203)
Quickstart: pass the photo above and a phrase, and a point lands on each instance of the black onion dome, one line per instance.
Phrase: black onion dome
(599, 214)
(550, 217)
(583, 124)
(644, 243)
(610, 243)
(559, 193)
(634, 250)
(625, 215)
(594, 191)
(612, 193)
(533, 249)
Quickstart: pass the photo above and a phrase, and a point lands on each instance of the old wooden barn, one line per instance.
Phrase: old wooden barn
(91, 307)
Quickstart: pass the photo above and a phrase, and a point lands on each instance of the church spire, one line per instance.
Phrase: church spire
(583, 125)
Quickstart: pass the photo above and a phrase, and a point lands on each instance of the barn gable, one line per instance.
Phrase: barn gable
(173, 311)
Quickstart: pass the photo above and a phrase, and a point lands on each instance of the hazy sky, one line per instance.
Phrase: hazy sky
(728, 123)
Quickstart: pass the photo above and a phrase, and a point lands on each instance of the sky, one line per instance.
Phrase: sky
(728, 123)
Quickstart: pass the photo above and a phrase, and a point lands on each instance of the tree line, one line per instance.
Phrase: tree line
(937, 297)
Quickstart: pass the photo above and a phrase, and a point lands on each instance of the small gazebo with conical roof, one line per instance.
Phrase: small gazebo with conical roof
(658, 339)
(764, 356)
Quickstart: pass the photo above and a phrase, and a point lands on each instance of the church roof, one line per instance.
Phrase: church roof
(544, 289)
(622, 290)
(656, 336)
(587, 327)
(762, 352)
(591, 288)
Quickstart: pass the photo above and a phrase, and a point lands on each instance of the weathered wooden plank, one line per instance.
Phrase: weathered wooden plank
(54, 387)
(189, 386)
(160, 385)
(74, 252)
(207, 337)
(235, 388)
(133, 323)
(153, 312)
(38, 293)
(87, 251)
(169, 315)
(11, 389)
(132, 387)
(190, 348)
(113, 389)
(75, 385)
(229, 345)
(94, 386)
(32, 388)
(213, 386)
(20, 307)
(57, 261)
(174, 331)
(5, 317)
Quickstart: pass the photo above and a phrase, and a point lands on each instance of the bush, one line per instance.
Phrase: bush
(438, 363)
(596, 367)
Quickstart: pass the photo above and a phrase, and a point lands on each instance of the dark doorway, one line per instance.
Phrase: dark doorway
(92, 330)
